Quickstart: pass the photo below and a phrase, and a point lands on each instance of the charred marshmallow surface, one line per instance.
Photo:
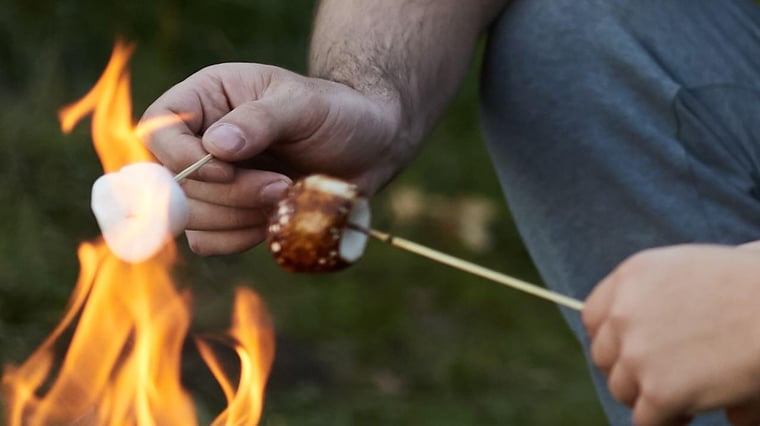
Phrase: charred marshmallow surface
(139, 208)
(308, 230)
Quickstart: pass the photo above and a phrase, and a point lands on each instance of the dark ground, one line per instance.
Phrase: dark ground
(394, 340)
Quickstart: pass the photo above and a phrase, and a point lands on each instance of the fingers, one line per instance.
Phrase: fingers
(605, 341)
(231, 217)
(177, 151)
(246, 131)
(654, 412)
(597, 306)
(249, 189)
(171, 126)
(605, 352)
(212, 217)
(605, 348)
(207, 243)
(661, 361)
(623, 385)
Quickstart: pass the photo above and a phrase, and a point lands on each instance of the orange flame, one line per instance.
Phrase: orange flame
(114, 136)
(125, 323)
(253, 339)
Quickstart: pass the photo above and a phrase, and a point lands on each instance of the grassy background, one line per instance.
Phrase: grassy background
(394, 340)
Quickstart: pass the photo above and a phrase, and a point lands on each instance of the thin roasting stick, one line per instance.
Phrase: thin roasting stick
(438, 256)
(472, 268)
(193, 167)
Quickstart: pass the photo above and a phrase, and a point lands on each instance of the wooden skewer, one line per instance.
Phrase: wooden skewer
(438, 256)
(472, 268)
(193, 167)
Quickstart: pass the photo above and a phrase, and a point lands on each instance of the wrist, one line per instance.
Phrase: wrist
(390, 100)
(381, 139)
(400, 140)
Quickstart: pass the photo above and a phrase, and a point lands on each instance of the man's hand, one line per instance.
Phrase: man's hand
(386, 72)
(677, 331)
(265, 126)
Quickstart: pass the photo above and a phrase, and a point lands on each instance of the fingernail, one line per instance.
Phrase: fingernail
(273, 192)
(225, 137)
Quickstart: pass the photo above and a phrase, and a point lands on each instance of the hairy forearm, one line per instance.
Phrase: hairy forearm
(411, 52)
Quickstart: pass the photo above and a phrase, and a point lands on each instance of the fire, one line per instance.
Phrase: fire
(255, 348)
(126, 323)
(114, 136)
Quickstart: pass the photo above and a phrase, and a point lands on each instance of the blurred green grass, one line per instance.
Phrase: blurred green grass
(394, 340)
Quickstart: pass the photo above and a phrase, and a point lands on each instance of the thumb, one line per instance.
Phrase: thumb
(253, 126)
(241, 134)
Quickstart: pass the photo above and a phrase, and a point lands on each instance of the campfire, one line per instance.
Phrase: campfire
(124, 328)
(125, 324)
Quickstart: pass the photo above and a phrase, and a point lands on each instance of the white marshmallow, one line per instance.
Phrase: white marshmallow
(353, 242)
(139, 208)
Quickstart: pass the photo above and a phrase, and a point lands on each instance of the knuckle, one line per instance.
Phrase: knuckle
(619, 317)
(632, 357)
(231, 195)
(152, 139)
(658, 395)
(264, 118)
(625, 311)
(639, 263)
(210, 69)
(603, 356)
(150, 112)
(236, 196)
(281, 78)
(621, 390)
(237, 219)
(643, 417)
(273, 70)
(589, 318)
(597, 355)
(153, 143)
(602, 362)
(208, 75)
(631, 267)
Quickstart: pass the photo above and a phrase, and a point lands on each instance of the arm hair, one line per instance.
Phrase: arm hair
(411, 52)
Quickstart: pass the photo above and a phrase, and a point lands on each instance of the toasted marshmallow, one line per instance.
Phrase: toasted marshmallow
(309, 232)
